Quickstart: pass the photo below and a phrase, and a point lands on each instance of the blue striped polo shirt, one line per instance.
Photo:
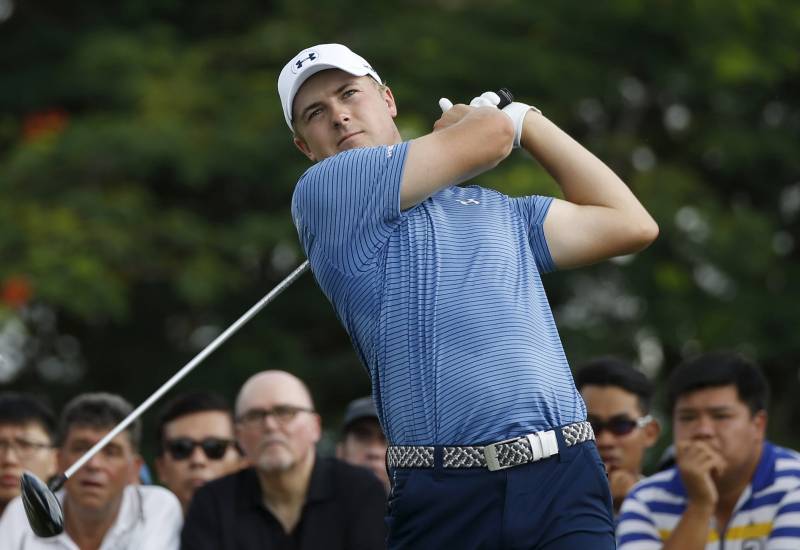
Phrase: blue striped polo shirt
(443, 302)
(767, 515)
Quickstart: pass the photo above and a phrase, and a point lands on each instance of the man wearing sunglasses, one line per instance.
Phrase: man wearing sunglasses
(289, 497)
(195, 443)
(730, 487)
(617, 401)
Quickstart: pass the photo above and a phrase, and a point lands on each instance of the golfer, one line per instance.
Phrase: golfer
(439, 288)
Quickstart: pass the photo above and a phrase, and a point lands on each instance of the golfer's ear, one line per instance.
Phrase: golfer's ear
(391, 104)
(304, 148)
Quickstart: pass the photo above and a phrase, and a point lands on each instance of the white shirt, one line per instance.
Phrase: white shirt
(149, 518)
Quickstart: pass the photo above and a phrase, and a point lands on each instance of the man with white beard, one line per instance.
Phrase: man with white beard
(289, 497)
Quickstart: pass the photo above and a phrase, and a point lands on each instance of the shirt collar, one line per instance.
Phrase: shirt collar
(320, 486)
(130, 513)
(764, 475)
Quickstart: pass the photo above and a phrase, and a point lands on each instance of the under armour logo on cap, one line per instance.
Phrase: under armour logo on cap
(312, 55)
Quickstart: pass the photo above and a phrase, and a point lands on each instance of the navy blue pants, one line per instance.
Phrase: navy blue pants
(559, 503)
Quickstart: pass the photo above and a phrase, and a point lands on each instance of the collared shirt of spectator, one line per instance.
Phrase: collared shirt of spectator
(618, 399)
(27, 431)
(362, 441)
(730, 487)
(196, 443)
(289, 498)
(103, 507)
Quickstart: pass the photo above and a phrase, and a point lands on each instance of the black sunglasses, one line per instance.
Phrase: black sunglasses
(619, 425)
(182, 448)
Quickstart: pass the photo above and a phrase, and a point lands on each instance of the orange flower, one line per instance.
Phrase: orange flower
(44, 123)
(17, 290)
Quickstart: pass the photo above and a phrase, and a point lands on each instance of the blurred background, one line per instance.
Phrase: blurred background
(146, 174)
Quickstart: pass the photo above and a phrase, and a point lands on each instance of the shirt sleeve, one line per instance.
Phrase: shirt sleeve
(164, 519)
(785, 532)
(346, 207)
(533, 210)
(636, 529)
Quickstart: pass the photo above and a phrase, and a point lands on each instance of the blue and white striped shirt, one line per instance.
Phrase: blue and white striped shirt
(443, 302)
(766, 517)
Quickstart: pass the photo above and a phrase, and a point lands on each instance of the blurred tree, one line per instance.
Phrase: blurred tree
(146, 174)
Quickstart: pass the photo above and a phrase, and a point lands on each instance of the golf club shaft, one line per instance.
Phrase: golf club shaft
(183, 372)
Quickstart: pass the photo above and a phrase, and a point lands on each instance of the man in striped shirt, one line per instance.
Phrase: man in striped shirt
(730, 488)
(439, 288)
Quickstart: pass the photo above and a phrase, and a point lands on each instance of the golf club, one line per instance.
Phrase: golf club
(42, 506)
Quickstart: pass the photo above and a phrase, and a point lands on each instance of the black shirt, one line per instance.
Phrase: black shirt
(344, 510)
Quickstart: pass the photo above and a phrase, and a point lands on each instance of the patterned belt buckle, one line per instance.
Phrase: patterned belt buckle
(490, 453)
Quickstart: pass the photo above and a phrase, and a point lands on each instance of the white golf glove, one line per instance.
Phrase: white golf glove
(516, 111)
(486, 99)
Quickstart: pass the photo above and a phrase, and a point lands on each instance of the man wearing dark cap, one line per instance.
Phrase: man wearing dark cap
(363, 442)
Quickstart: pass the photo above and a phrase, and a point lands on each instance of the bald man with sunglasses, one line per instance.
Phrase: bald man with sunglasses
(617, 401)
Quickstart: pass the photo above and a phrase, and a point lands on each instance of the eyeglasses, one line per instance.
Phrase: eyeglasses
(23, 448)
(283, 414)
(182, 448)
(619, 425)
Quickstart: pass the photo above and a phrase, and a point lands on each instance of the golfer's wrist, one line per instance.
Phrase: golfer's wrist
(531, 125)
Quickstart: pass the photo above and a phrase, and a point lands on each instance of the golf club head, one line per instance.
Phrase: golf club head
(41, 506)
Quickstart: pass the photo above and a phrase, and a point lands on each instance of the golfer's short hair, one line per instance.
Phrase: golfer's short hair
(717, 369)
(613, 371)
(189, 403)
(19, 409)
(98, 411)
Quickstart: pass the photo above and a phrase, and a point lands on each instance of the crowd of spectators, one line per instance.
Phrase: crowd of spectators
(250, 476)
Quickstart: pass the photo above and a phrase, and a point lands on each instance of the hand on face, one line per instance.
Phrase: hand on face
(620, 483)
(700, 466)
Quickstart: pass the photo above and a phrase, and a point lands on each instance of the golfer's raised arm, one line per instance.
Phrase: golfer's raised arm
(466, 141)
(599, 217)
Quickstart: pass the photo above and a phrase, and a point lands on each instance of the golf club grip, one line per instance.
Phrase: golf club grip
(506, 97)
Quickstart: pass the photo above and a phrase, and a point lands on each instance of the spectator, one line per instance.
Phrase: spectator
(730, 487)
(289, 498)
(196, 443)
(362, 442)
(617, 401)
(27, 429)
(103, 508)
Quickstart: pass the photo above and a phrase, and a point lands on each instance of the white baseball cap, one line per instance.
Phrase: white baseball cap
(313, 60)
